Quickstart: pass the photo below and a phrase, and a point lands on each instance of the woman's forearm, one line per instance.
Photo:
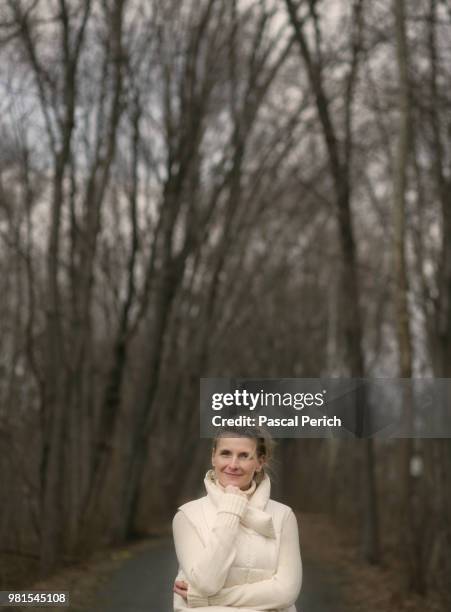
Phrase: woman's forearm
(271, 594)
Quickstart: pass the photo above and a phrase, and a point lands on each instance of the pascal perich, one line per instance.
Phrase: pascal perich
(295, 421)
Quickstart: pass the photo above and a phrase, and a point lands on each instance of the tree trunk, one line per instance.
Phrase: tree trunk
(408, 535)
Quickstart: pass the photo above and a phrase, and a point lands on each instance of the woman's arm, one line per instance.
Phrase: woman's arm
(206, 566)
(280, 591)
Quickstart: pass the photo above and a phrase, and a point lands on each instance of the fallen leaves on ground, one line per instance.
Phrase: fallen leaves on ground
(366, 588)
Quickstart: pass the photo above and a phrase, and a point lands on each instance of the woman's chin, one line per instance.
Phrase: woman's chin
(233, 480)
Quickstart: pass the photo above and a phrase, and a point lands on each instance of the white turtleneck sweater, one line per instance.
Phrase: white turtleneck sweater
(237, 552)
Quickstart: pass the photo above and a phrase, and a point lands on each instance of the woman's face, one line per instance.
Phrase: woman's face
(235, 461)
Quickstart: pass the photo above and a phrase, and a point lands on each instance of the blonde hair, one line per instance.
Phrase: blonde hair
(264, 444)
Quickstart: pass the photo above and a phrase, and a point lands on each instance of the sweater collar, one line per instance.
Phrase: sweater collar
(254, 516)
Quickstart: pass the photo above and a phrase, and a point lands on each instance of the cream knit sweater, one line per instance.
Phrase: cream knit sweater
(237, 553)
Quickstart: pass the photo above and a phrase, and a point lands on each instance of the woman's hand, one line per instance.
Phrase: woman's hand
(234, 490)
(181, 588)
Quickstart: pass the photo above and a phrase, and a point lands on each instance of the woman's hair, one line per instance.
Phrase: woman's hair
(264, 444)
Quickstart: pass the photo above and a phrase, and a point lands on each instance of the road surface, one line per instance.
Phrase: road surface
(144, 584)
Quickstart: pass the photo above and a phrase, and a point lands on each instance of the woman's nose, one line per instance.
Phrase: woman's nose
(234, 462)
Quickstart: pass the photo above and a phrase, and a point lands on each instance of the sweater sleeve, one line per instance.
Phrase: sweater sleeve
(206, 565)
(280, 591)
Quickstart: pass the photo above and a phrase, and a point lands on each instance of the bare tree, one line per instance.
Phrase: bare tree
(339, 151)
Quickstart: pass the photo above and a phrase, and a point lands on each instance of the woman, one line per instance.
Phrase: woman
(236, 547)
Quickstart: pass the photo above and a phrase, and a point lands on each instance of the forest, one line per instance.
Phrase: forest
(218, 188)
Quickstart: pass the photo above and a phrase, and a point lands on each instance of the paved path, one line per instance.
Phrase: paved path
(144, 584)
